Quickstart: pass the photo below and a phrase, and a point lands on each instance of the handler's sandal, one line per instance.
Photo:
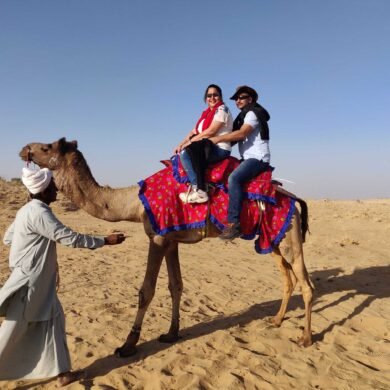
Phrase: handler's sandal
(195, 196)
(231, 232)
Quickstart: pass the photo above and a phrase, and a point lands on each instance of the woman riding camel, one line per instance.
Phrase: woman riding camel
(215, 120)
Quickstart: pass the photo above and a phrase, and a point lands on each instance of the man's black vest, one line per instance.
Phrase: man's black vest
(262, 116)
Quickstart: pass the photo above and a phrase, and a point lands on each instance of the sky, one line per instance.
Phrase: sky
(126, 80)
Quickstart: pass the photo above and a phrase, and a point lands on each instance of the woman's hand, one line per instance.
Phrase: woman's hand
(178, 149)
(185, 142)
(182, 146)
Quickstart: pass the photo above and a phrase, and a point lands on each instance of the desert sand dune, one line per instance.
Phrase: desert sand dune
(230, 292)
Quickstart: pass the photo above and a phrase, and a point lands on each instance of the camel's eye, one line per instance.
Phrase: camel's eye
(46, 148)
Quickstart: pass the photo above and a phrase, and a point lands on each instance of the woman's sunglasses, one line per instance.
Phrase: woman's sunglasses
(210, 95)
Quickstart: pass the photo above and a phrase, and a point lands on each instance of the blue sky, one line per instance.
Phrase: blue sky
(126, 79)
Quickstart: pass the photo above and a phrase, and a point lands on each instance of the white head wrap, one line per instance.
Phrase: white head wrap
(36, 181)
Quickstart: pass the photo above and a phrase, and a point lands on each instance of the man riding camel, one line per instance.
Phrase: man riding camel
(250, 130)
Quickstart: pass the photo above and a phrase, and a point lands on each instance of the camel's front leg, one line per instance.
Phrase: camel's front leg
(157, 248)
(176, 289)
(289, 282)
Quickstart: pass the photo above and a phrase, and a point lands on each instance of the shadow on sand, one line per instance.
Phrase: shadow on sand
(371, 282)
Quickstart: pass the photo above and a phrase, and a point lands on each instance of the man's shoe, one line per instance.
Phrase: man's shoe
(195, 196)
(231, 232)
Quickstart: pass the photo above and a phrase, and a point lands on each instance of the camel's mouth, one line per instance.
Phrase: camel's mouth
(25, 154)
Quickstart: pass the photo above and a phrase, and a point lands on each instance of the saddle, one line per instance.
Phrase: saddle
(159, 194)
(259, 188)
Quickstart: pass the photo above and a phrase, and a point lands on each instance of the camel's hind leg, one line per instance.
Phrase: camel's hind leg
(176, 289)
(300, 271)
(289, 281)
(157, 249)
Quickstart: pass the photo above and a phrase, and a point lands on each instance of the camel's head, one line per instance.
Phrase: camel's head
(47, 155)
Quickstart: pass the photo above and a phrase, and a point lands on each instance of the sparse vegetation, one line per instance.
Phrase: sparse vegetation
(16, 180)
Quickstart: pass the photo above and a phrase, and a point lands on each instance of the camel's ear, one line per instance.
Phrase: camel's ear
(62, 145)
(65, 146)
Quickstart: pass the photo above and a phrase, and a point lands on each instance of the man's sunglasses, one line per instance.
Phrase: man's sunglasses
(243, 97)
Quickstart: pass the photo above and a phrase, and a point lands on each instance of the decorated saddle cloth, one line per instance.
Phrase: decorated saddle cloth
(159, 194)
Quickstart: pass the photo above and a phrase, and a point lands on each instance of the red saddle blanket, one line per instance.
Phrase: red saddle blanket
(159, 194)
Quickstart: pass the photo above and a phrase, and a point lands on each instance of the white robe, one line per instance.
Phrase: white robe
(32, 335)
(32, 350)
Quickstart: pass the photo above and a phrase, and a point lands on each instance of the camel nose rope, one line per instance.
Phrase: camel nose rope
(29, 156)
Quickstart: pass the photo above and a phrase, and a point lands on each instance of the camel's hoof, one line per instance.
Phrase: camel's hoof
(168, 338)
(305, 342)
(125, 351)
(275, 321)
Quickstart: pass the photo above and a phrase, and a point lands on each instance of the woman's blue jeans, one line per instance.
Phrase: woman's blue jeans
(217, 154)
(248, 169)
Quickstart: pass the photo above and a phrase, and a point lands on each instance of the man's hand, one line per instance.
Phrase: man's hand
(114, 239)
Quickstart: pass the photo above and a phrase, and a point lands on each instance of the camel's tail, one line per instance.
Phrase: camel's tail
(304, 218)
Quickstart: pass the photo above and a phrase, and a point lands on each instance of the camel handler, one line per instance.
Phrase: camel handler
(32, 335)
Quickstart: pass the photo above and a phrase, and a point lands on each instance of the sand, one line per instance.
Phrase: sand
(230, 292)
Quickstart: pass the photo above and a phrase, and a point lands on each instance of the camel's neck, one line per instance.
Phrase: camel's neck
(78, 184)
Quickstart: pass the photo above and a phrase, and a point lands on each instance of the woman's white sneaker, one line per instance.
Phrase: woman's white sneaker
(194, 196)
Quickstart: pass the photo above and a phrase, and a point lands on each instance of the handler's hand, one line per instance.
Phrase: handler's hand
(214, 140)
(113, 239)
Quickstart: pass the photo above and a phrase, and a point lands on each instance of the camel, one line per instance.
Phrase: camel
(73, 177)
